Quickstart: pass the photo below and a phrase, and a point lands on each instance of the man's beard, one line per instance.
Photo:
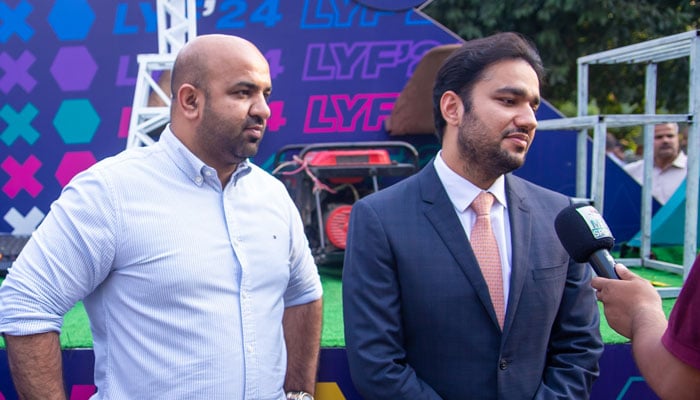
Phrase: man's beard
(227, 137)
(476, 148)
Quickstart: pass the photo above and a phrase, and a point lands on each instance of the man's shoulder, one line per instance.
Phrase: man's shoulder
(263, 175)
(396, 193)
(263, 185)
(634, 165)
(681, 160)
(132, 164)
(533, 196)
(523, 185)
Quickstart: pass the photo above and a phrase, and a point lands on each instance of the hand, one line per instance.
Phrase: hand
(629, 302)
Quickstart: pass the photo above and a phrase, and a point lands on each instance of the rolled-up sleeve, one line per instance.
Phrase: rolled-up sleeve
(304, 283)
(66, 258)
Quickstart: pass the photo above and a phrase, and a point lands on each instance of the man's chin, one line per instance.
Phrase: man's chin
(668, 153)
(506, 165)
(251, 150)
(517, 159)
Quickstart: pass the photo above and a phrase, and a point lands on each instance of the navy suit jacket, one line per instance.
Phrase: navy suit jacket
(419, 323)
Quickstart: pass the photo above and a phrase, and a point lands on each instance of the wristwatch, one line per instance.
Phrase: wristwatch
(300, 395)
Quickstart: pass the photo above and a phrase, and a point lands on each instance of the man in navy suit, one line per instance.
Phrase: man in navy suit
(420, 322)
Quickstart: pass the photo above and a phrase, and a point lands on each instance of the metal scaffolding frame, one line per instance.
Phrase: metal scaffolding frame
(177, 24)
(651, 53)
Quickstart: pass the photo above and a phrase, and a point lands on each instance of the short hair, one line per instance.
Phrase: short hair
(611, 141)
(465, 66)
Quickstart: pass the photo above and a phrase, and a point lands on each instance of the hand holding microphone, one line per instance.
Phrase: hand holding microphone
(587, 238)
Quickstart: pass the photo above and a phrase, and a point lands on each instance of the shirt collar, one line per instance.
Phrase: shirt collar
(194, 168)
(681, 161)
(461, 191)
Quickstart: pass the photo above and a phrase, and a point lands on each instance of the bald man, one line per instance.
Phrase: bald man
(190, 260)
(670, 163)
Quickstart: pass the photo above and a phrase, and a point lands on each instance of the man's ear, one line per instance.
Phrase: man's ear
(452, 108)
(189, 101)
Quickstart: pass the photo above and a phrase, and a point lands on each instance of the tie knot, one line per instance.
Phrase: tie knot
(482, 203)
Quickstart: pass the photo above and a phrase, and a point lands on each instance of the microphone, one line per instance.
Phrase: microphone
(586, 237)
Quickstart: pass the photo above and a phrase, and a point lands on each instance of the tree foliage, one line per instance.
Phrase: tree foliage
(565, 30)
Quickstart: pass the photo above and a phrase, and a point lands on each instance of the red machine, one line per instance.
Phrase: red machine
(326, 179)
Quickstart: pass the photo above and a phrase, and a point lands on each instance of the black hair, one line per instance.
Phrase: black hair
(465, 66)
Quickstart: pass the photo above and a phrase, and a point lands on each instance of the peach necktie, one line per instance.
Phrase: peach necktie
(485, 248)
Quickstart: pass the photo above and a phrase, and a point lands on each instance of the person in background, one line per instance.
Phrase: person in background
(614, 149)
(667, 353)
(448, 297)
(670, 163)
(191, 261)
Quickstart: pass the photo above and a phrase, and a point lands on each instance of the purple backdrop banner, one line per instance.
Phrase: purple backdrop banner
(68, 71)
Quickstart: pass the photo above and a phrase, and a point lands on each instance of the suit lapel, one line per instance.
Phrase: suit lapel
(439, 210)
(520, 228)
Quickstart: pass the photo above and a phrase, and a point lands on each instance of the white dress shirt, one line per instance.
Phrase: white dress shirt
(461, 193)
(663, 182)
(185, 282)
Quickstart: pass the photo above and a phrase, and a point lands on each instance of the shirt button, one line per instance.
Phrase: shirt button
(198, 180)
(503, 365)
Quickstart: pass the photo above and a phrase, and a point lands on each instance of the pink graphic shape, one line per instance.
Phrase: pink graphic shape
(276, 120)
(21, 176)
(82, 392)
(124, 120)
(73, 163)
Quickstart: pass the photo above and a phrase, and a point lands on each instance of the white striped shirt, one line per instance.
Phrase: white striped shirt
(185, 283)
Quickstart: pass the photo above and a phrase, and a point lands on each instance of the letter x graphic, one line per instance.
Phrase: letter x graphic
(13, 21)
(19, 124)
(16, 72)
(21, 176)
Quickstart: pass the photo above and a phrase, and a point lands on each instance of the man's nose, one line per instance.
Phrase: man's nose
(260, 108)
(526, 118)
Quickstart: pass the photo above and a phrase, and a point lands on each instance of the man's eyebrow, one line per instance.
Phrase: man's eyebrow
(253, 86)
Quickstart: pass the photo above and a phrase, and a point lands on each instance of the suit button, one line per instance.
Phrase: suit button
(503, 365)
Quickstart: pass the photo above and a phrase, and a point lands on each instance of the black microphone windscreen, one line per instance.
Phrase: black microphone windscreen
(582, 231)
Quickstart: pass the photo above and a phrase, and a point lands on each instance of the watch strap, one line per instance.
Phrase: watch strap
(299, 395)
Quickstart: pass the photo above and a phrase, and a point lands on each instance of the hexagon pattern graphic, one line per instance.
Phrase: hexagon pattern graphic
(71, 19)
(73, 68)
(72, 163)
(76, 121)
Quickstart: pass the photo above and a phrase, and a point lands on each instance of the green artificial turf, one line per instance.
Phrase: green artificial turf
(332, 334)
(76, 329)
(655, 276)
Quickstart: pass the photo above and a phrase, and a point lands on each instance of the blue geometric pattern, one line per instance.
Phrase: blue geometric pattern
(12, 21)
(76, 121)
(71, 19)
